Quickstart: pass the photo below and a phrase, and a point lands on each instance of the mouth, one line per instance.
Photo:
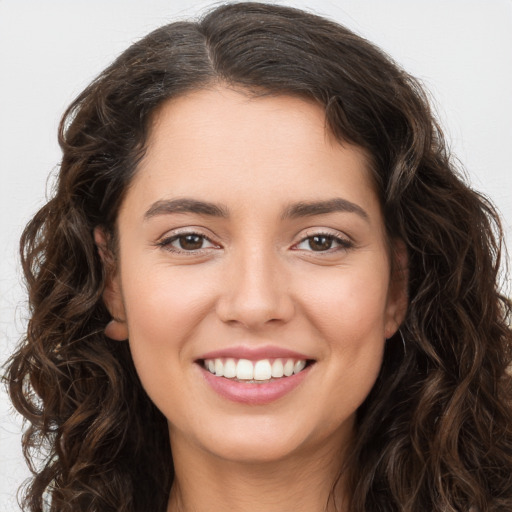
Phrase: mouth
(255, 375)
(261, 371)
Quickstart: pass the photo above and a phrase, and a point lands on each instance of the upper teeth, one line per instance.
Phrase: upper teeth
(244, 369)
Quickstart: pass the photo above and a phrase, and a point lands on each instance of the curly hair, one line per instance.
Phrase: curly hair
(434, 434)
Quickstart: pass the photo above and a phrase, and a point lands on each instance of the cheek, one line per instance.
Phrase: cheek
(344, 310)
(347, 304)
(164, 308)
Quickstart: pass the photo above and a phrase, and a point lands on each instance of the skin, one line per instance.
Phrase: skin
(255, 280)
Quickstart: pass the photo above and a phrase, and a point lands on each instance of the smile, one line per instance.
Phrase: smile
(256, 381)
(263, 370)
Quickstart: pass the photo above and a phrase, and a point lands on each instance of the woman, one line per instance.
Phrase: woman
(261, 285)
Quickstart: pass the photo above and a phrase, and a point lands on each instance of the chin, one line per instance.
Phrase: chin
(255, 450)
(268, 439)
(246, 439)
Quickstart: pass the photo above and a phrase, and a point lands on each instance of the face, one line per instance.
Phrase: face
(254, 276)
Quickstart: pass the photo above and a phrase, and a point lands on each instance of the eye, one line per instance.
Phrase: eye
(323, 242)
(187, 242)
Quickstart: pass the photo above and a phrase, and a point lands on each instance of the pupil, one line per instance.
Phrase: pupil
(320, 243)
(191, 242)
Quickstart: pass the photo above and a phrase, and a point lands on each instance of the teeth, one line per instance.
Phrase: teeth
(219, 367)
(230, 368)
(277, 369)
(299, 366)
(262, 370)
(288, 367)
(244, 370)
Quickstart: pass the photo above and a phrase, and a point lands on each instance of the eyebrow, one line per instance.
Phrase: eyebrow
(312, 208)
(185, 205)
(293, 211)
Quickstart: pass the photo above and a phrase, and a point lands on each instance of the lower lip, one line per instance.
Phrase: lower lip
(251, 393)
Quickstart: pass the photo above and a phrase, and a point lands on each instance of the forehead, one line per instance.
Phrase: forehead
(225, 142)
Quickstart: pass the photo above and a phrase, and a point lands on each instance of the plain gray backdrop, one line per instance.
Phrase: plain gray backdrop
(50, 50)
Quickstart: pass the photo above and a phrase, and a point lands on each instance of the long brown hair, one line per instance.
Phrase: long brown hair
(434, 434)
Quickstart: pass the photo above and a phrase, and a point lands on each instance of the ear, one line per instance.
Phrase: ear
(117, 328)
(398, 295)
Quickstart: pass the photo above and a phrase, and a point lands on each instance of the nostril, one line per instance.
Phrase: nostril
(252, 300)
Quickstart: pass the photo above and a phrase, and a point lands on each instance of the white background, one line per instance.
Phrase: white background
(50, 50)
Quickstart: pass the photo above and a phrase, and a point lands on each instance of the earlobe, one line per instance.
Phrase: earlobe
(398, 297)
(117, 328)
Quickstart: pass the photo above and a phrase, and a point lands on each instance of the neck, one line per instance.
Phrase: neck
(305, 483)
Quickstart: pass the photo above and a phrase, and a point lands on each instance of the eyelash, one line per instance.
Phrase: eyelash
(343, 243)
(166, 243)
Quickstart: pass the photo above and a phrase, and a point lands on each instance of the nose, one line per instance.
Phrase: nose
(256, 292)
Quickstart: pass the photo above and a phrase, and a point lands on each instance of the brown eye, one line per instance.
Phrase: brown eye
(320, 242)
(190, 242)
(187, 243)
(323, 242)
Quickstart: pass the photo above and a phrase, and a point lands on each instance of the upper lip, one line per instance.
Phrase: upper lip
(254, 353)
